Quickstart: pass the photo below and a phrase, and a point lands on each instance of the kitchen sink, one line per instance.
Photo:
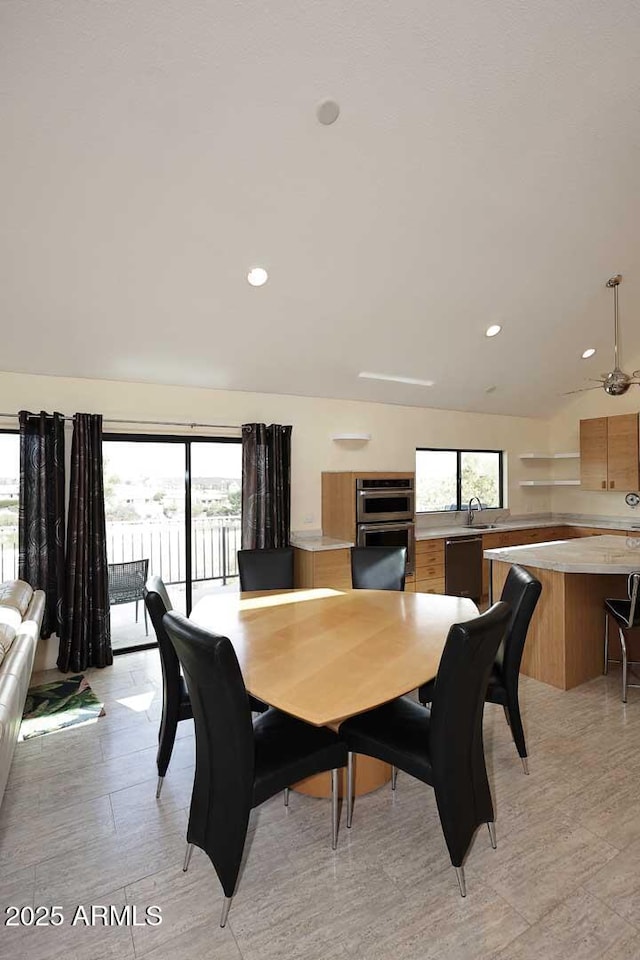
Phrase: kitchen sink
(482, 526)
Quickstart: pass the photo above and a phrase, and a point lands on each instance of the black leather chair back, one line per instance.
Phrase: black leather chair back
(455, 738)
(521, 591)
(223, 786)
(266, 569)
(157, 601)
(378, 568)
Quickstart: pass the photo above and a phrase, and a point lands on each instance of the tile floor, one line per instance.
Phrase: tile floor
(80, 825)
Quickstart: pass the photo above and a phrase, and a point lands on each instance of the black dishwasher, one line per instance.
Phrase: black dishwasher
(463, 567)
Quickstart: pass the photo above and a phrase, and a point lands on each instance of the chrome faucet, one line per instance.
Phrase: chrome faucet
(470, 509)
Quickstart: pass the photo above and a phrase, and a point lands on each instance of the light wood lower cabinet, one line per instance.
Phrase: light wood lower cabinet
(596, 532)
(435, 585)
(429, 575)
(322, 568)
(332, 568)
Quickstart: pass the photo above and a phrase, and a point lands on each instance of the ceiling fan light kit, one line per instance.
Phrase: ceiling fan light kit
(616, 382)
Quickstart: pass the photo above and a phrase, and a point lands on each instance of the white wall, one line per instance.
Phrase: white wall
(396, 430)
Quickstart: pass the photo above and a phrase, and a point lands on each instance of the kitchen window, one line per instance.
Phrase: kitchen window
(447, 479)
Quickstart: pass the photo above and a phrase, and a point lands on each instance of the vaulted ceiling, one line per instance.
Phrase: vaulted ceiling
(484, 169)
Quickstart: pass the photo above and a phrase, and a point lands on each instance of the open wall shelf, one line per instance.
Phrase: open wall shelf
(549, 483)
(549, 456)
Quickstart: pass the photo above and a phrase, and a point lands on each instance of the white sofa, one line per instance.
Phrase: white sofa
(21, 610)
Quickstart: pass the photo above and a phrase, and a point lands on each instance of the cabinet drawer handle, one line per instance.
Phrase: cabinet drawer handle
(612, 484)
(604, 484)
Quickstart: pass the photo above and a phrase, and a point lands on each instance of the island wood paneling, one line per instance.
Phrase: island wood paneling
(565, 641)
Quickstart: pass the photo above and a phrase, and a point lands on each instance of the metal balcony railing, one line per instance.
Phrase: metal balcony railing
(215, 542)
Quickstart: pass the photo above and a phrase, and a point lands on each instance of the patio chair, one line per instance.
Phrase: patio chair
(126, 585)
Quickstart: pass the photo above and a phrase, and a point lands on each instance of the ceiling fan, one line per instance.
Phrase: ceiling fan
(616, 382)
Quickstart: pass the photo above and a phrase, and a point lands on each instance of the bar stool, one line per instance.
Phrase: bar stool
(626, 614)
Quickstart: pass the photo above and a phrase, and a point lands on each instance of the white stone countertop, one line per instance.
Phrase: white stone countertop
(461, 530)
(315, 541)
(584, 555)
(318, 542)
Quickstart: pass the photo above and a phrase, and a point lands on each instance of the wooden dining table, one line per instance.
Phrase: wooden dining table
(324, 655)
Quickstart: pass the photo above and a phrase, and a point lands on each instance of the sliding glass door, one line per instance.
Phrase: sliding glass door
(173, 510)
(9, 492)
(216, 487)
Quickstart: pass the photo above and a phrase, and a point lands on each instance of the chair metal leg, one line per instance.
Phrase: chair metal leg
(394, 777)
(225, 910)
(286, 796)
(137, 602)
(525, 764)
(187, 857)
(461, 881)
(606, 643)
(146, 622)
(492, 833)
(159, 786)
(334, 809)
(349, 789)
(623, 645)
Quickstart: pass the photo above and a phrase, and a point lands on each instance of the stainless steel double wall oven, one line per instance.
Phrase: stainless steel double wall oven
(385, 514)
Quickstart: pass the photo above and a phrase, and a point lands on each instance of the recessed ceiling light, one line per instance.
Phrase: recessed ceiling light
(257, 276)
(388, 376)
(589, 352)
(328, 112)
(493, 330)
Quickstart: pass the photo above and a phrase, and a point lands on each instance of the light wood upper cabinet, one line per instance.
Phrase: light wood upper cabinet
(622, 452)
(593, 454)
(609, 453)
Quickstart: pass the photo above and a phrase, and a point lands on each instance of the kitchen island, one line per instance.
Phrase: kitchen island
(566, 637)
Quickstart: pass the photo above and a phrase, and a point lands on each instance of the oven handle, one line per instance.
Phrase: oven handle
(393, 525)
(386, 492)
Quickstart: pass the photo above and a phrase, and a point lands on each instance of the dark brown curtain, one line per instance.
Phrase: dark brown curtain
(41, 511)
(86, 631)
(266, 485)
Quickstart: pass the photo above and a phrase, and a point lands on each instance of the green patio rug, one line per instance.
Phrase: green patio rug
(49, 707)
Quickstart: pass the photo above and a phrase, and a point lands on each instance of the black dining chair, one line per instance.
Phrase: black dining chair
(240, 764)
(626, 614)
(176, 704)
(521, 591)
(442, 746)
(266, 569)
(378, 568)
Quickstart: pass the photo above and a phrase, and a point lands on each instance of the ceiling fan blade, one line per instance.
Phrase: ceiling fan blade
(581, 390)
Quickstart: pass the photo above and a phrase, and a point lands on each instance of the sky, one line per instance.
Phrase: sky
(131, 459)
